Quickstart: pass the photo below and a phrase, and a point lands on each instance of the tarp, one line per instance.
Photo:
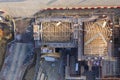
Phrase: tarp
(17, 59)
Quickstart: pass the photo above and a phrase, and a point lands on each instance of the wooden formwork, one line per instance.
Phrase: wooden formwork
(51, 32)
(96, 37)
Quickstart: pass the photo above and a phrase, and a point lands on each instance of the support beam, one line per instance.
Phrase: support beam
(94, 37)
(66, 19)
(80, 42)
(91, 39)
(103, 38)
(55, 19)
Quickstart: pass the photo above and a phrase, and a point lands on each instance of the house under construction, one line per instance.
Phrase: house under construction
(59, 40)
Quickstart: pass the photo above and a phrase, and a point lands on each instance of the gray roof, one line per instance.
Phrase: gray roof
(26, 8)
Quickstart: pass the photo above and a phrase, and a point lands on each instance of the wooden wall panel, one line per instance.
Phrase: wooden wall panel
(54, 33)
(96, 37)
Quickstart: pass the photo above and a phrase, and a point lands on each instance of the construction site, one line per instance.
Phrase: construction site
(59, 40)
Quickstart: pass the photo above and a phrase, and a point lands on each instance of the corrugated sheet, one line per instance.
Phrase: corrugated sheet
(29, 7)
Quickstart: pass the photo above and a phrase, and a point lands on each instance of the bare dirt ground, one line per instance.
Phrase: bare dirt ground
(2, 51)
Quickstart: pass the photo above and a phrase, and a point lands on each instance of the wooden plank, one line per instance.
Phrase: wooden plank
(91, 39)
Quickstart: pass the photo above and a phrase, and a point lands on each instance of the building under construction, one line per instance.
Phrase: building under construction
(59, 40)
